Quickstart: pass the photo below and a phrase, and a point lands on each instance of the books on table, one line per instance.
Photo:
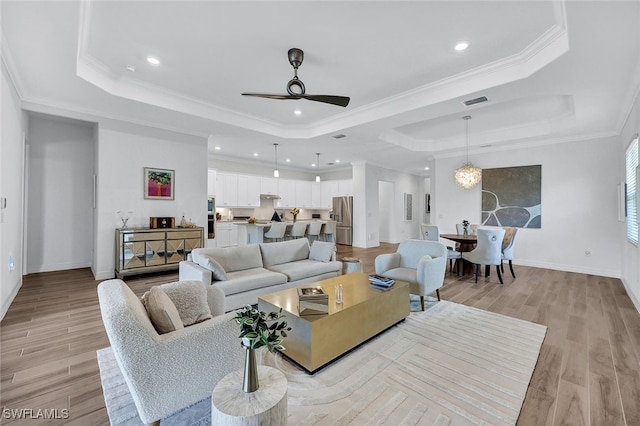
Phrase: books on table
(379, 281)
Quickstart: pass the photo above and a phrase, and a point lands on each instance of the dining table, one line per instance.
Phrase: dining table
(466, 243)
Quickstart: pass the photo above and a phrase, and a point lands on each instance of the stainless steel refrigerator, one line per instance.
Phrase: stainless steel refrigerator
(343, 215)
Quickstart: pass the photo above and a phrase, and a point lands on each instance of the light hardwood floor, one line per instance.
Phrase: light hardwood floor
(588, 371)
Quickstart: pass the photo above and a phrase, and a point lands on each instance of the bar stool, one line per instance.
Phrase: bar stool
(329, 231)
(297, 230)
(276, 231)
(314, 230)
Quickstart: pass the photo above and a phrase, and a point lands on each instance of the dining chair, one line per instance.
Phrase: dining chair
(314, 231)
(329, 231)
(432, 233)
(488, 250)
(276, 231)
(508, 245)
(297, 231)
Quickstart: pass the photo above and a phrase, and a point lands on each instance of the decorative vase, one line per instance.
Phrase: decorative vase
(250, 381)
(295, 216)
(465, 232)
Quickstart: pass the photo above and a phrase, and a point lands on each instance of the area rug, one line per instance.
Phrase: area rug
(448, 365)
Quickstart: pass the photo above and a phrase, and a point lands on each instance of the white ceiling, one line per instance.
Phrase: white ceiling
(552, 72)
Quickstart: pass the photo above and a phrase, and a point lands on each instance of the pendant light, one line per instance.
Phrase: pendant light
(318, 163)
(276, 173)
(468, 176)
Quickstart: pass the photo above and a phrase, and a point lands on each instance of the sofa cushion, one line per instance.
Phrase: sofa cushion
(250, 279)
(306, 268)
(284, 252)
(232, 258)
(322, 251)
(162, 312)
(190, 299)
(402, 274)
(217, 271)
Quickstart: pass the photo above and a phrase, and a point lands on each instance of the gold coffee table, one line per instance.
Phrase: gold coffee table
(316, 340)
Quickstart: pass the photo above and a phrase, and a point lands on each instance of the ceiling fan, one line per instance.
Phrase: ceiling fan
(295, 86)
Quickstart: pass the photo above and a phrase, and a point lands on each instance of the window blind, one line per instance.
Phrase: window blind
(631, 162)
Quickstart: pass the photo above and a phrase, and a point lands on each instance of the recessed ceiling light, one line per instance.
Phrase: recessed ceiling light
(288, 160)
(217, 148)
(255, 154)
(153, 61)
(337, 161)
(461, 45)
(130, 68)
(313, 164)
(426, 168)
(297, 112)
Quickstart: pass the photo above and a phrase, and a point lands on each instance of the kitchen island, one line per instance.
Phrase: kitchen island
(255, 231)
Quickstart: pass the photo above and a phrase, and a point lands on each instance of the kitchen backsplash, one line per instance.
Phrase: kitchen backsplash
(265, 211)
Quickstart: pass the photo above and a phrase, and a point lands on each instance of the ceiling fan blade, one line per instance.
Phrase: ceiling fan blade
(268, 96)
(342, 101)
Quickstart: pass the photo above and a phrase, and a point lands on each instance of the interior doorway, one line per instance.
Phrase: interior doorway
(385, 211)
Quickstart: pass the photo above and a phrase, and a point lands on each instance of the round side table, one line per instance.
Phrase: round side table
(230, 405)
(351, 265)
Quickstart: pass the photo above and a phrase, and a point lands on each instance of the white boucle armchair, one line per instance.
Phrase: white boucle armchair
(420, 263)
(168, 372)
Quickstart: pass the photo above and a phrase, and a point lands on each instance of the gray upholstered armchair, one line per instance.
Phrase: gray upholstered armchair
(420, 263)
(168, 372)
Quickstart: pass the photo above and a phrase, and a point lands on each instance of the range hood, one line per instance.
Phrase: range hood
(269, 197)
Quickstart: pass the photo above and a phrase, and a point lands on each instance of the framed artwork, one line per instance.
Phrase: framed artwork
(512, 196)
(408, 206)
(159, 184)
(427, 203)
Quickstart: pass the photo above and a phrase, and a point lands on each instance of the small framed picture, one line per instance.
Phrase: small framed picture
(408, 207)
(159, 184)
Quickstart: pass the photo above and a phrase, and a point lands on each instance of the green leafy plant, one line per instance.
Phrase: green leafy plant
(262, 329)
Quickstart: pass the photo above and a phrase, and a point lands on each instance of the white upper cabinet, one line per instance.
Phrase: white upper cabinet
(269, 186)
(316, 195)
(226, 190)
(248, 191)
(211, 183)
(287, 193)
(303, 194)
(345, 187)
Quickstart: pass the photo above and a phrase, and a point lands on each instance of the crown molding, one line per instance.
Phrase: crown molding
(545, 49)
(8, 64)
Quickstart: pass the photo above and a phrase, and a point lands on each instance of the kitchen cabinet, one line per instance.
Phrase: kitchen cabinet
(226, 234)
(143, 250)
(248, 191)
(211, 183)
(226, 190)
(287, 193)
(303, 194)
(269, 186)
(329, 189)
(316, 195)
(345, 187)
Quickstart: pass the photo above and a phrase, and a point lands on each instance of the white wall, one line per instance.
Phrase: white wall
(366, 217)
(123, 153)
(13, 127)
(630, 268)
(385, 210)
(59, 194)
(579, 204)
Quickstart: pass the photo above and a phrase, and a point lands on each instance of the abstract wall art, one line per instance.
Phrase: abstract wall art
(512, 196)
(159, 184)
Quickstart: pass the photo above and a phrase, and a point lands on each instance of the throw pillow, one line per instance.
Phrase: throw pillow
(217, 271)
(322, 251)
(162, 312)
(190, 299)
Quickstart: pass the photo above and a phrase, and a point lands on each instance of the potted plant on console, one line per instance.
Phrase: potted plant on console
(258, 329)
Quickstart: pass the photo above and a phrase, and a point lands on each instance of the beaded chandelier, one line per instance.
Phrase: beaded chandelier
(468, 175)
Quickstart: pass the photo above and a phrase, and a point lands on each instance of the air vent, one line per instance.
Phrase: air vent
(339, 136)
(475, 101)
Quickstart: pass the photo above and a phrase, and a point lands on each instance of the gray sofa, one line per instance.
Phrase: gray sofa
(244, 273)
